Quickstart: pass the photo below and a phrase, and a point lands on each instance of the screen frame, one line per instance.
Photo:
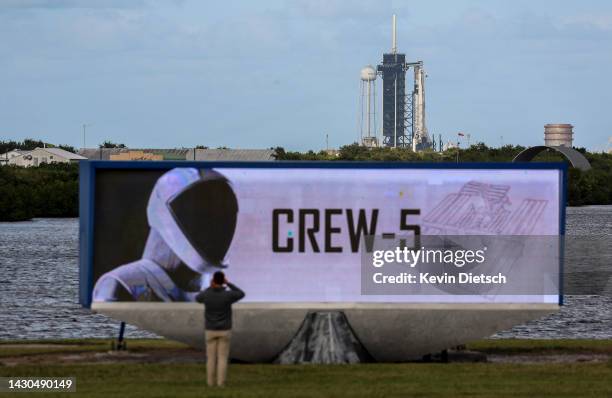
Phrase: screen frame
(88, 172)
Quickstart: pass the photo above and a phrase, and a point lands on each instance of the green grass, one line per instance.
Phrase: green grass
(501, 346)
(367, 380)
(22, 347)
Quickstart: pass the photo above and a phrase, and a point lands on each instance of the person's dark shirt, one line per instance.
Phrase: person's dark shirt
(218, 306)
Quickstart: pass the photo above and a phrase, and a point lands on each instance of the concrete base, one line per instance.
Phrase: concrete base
(393, 334)
(389, 332)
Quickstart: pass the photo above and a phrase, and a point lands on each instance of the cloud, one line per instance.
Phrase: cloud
(601, 22)
(68, 4)
(343, 9)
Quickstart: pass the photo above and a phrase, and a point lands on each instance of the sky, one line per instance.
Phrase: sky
(245, 74)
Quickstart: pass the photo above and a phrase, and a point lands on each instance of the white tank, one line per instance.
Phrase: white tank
(368, 73)
(558, 135)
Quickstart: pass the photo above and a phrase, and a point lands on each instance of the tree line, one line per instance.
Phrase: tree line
(592, 187)
(51, 190)
(29, 144)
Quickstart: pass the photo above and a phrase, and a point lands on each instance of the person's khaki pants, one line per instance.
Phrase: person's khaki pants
(217, 352)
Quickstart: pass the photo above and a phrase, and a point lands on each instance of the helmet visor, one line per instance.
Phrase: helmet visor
(206, 212)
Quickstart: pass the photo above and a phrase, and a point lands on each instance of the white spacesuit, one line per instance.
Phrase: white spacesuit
(192, 217)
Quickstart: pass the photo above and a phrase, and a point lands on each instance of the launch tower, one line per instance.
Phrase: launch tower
(403, 116)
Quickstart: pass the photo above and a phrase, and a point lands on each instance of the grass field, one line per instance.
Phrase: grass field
(364, 380)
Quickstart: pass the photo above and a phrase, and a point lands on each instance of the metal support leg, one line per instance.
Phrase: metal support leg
(120, 344)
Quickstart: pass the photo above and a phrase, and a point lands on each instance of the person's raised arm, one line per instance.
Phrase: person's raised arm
(237, 293)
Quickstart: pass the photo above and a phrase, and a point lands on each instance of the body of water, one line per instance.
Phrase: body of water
(39, 286)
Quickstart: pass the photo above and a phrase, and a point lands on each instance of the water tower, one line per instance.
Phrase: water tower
(559, 138)
(558, 135)
(368, 107)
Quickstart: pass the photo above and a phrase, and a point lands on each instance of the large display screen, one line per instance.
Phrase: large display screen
(300, 234)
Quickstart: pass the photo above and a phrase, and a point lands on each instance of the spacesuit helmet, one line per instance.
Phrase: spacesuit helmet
(195, 212)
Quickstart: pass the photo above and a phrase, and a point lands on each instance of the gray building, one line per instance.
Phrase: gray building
(244, 155)
(134, 154)
(178, 154)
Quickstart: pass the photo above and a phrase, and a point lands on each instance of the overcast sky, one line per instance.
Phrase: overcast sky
(257, 74)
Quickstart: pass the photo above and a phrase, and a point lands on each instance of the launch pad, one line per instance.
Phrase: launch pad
(403, 115)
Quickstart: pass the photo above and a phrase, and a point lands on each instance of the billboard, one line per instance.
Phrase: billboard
(317, 232)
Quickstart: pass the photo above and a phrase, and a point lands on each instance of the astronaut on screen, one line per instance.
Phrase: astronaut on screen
(192, 215)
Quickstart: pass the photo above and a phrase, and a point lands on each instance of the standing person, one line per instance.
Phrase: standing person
(218, 300)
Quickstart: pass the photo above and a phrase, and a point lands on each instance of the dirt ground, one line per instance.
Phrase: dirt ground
(190, 355)
(154, 356)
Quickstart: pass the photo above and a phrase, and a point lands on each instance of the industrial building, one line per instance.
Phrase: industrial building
(220, 154)
(239, 155)
(134, 154)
